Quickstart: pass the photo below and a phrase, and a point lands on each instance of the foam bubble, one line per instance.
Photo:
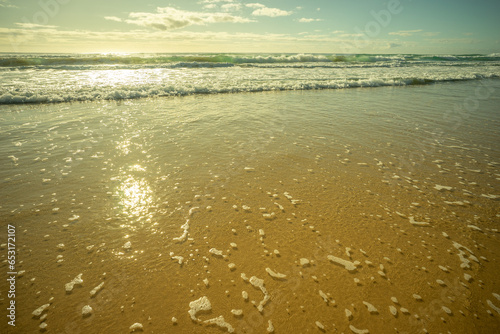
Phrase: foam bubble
(201, 304)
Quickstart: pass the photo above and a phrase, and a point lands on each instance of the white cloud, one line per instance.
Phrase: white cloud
(255, 5)
(113, 18)
(405, 33)
(431, 34)
(34, 26)
(215, 1)
(262, 10)
(168, 18)
(6, 4)
(231, 7)
(304, 20)
(338, 31)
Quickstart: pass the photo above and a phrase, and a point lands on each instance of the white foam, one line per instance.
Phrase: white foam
(136, 327)
(324, 296)
(474, 227)
(447, 310)
(304, 262)
(193, 210)
(86, 310)
(184, 235)
(350, 266)
(259, 283)
(237, 312)
(440, 187)
(348, 314)
(413, 222)
(490, 304)
(221, 322)
(270, 327)
(394, 300)
(393, 310)
(275, 274)
(231, 266)
(201, 304)
(215, 252)
(76, 281)
(496, 295)
(127, 245)
(233, 245)
(244, 294)
(96, 290)
(444, 269)
(467, 277)
(179, 259)
(371, 308)
(320, 325)
(174, 320)
(358, 331)
(490, 196)
(417, 297)
(206, 281)
(38, 312)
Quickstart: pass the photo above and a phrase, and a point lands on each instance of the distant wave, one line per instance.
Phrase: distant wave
(222, 60)
(150, 91)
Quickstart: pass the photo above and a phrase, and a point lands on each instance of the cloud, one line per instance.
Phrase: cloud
(215, 1)
(394, 45)
(34, 25)
(304, 20)
(231, 7)
(6, 4)
(255, 5)
(262, 10)
(431, 34)
(405, 33)
(113, 18)
(168, 18)
(338, 31)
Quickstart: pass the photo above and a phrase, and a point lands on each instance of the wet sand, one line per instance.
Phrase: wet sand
(380, 207)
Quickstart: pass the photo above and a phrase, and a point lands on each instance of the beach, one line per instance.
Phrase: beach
(360, 210)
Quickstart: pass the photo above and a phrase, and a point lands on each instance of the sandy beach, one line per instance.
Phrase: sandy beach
(366, 210)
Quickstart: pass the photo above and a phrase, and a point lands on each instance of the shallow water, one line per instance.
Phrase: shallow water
(406, 178)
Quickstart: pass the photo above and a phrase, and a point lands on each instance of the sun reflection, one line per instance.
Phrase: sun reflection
(135, 198)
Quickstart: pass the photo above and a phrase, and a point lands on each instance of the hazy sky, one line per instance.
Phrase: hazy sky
(323, 26)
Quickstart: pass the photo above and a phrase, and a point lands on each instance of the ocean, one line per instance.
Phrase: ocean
(44, 78)
(250, 193)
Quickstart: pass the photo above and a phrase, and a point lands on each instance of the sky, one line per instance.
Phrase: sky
(265, 26)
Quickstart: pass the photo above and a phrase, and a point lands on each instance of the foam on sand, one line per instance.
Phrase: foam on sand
(201, 304)
(96, 290)
(137, 327)
(221, 322)
(185, 228)
(259, 283)
(490, 304)
(86, 311)
(413, 222)
(371, 308)
(358, 331)
(215, 252)
(274, 274)
(38, 312)
(350, 266)
(270, 327)
(76, 281)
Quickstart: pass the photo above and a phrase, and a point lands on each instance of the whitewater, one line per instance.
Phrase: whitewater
(51, 78)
